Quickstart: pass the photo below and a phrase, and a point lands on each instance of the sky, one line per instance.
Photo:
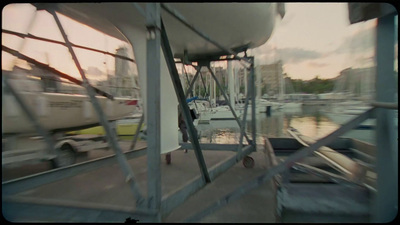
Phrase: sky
(316, 39)
(313, 39)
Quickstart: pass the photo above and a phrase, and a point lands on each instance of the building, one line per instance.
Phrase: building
(271, 75)
(125, 81)
(358, 82)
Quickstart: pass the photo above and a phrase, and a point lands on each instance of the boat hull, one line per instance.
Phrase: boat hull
(233, 25)
(124, 127)
(56, 111)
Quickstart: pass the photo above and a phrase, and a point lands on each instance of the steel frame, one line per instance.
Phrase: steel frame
(157, 205)
(153, 206)
(386, 199)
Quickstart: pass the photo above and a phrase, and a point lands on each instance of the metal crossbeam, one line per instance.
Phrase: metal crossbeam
(386, 105)
(212, 146)
(31, 36)
(39, 209)
(189, 90)
(36, 180)
(111, 136)
(52, 70)
(182, 102)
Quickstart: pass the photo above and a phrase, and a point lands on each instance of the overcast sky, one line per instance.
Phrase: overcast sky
(317, 39)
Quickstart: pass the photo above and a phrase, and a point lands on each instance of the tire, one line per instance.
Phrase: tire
(248, 162)
(168, 158)
(65, 156)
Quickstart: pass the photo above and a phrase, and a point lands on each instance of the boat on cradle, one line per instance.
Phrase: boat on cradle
(292, 106)
(343, 112)
(256, 24)
(126, 126)
(205, 113)
(56, 111)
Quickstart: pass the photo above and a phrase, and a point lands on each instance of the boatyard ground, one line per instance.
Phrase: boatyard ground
(107, 186)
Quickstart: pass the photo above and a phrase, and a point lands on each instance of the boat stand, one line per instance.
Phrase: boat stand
(155, 206)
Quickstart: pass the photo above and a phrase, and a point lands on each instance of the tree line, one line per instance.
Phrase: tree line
(314, 86)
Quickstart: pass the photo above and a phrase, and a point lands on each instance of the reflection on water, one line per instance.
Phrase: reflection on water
(310, 121)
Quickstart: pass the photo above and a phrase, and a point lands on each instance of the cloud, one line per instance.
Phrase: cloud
(268, 54)
(297, 55)
(317, 64)
(359, 42)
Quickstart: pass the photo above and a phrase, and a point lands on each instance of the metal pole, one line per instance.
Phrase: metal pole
(111, 136)
(183, 104)
(137, 132)
(245, 81)
(153, 61)
(244, 119)
(204, 84)
(189, 90)
(386, 202)
(253, 102)
(386, 105)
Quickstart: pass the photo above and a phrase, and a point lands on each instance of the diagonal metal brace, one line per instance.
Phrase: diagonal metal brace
(111, 136)
(189, 90)
(182, 102)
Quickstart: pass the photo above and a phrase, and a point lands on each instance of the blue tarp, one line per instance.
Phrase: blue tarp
(191, 99)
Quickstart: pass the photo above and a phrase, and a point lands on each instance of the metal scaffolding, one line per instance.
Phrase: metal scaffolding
(155, 205)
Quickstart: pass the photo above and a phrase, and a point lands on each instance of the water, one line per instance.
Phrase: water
(309, 120)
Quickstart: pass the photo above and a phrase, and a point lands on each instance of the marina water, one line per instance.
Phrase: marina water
(309, 120)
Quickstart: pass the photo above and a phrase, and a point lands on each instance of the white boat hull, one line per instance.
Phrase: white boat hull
(56, 111)
(233, 25)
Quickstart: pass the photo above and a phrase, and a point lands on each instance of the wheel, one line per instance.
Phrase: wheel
(65, 156)
(248, 162)
(168, 158)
